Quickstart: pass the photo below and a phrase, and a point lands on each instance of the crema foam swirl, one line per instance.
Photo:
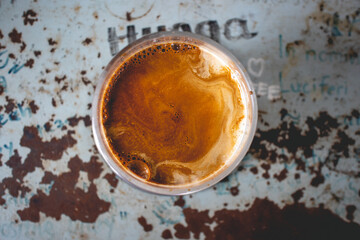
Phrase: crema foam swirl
(172, 113)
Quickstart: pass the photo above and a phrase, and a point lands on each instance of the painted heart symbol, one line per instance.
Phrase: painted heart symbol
(257, 63)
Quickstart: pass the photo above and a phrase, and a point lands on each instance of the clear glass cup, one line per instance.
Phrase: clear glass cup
(248, 98)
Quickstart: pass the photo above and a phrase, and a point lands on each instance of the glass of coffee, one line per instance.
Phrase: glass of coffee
(174, 113)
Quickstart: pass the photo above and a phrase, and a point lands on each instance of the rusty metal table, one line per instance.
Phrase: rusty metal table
(299, 180)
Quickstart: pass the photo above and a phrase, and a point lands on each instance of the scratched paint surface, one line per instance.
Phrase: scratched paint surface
(300, 179)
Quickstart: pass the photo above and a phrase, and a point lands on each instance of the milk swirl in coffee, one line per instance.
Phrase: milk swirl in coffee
(172, 113)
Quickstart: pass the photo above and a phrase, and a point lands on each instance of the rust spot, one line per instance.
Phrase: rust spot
(1, 34)
(51, 150)
(197, 222)
(14, 183)
(181, 231)
(336, 197)
(300, 141)
(48, 178)
(29, 63)
(350, 209)
(147, 227)
(166, 234)
(37, 53)
(87, 41)
(65, 87)
(180, 202)
(291, 46)
(266, 167)
(47, 126)
(65, 198)
(240, 168)
(11, 55)
(14, 188)
(60, 79)
(23, 46)
(340, 147)
(282, 175)
(112, 180)
(234, 191)
(83, 72)
(265, 220)
(128, 16)
(318, 179)
(53, 102)
(95, 15)
(287, 135)
(29, 17)
(10, 104)
(15, 36)
(33, 106)
(93, 168)
(1, 92)
(73, 121)
(157, 17)
(85, 80)
(254, 170)
(51, 42)
(297, 195)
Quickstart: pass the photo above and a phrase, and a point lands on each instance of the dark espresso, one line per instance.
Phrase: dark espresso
(172, 114)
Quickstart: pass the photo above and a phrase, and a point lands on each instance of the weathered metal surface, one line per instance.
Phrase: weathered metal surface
(300, 179)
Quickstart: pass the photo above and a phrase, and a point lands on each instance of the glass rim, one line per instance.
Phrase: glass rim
(110, 70)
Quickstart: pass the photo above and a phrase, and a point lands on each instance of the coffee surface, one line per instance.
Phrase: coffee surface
(172, 113)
